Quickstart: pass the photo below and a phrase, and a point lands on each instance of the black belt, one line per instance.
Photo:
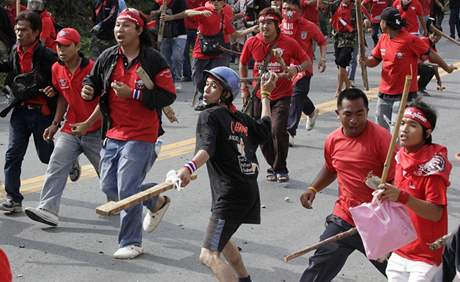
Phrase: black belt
(30, 106)
(412, 95)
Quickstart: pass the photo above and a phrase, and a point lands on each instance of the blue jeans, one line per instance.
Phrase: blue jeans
(124, 165)
(354, 62)
(173, 51)
(66, 150)
(385, 107)
(23, 123)
(191, 37)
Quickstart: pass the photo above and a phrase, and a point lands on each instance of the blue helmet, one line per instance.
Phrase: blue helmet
(229, 79)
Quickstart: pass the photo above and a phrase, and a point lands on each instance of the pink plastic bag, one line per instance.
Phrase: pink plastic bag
(384, 226)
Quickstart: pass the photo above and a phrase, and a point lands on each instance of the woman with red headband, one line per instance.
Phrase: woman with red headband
(421, 180)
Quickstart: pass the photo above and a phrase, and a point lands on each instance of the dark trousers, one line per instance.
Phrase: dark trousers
(276, 149)
(300, 102)
(23, 123)
(191, 37)
(454, 21)
(328, 260)
(375, 32)
(451, 258)
(426, 73)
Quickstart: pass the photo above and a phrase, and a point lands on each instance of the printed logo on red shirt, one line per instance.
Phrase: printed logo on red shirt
(399, 55)
(139, 84)
(237, 127)
(433, 166)
(64, 84)
(303, 35)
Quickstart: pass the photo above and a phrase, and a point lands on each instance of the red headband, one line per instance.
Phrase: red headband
(269, 17)
(132, 15)
(418, 116)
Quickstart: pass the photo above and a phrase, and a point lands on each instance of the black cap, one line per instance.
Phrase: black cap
(392, 17)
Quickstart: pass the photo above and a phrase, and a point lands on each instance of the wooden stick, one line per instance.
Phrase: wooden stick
(395, 135)
(439, 243)
(335, 238)
(362, 43)
(384, 177)
(112, 207)
(18, 7)
(161, 26)
(168, 110)
(435, 29)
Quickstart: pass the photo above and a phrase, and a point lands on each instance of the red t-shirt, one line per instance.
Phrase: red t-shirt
(131, 120)
(304, 32)
(310, 11)
(212, 25)
(48, 34)
(257, 48)
(410, 15)
(341, 20)
(377, 6)
(424, 175)
(12, 12)
(69, 86)
(190, 22)
(5, 270)
(398, 55)
(352, 159)
(26, 65)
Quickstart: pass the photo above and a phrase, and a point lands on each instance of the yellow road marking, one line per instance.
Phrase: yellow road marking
(168, 151)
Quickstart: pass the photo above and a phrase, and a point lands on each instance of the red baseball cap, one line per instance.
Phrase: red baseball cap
(67, 36)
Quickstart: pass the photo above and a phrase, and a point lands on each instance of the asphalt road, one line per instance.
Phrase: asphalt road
(80, 248)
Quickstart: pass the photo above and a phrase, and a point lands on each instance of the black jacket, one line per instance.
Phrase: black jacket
(42, 61)
(99, 78)
(7, 35)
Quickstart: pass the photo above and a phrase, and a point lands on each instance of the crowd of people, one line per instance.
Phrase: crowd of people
(108, 106)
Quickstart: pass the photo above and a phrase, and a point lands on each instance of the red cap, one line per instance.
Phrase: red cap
(131, 15)
(67, 36)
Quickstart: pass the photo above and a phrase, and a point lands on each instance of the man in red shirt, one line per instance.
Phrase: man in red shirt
(76, 135)
(412, 13)
(48, 33)
(273, 51)
(305, 33)
(375, 7)
(421, 181)
(32, 109)
(131, 123)
(400, 51)
(10, 6)
(214, 19)
(191, 28)
(351, 152)
(343, 22)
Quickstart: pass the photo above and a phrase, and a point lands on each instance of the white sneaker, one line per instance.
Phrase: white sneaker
(178, 86)
(128, 252)
(43, 216)
(311, 120)
(291, 140)
(152, 219)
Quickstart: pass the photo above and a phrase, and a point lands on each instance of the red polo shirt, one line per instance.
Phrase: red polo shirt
(190, 22)
(257, 48)
(304, 32)
(377, 6)
(410, 15)
(26, 65)
(398, 55)
(69, 86)
(48, 34)
(352, 159)
(131, 120)
(212, 25)
(310, 11)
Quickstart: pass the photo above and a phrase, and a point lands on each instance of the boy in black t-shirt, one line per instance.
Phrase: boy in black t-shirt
(227, 140)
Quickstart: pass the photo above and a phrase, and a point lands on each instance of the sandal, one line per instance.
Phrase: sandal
(282, 177)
